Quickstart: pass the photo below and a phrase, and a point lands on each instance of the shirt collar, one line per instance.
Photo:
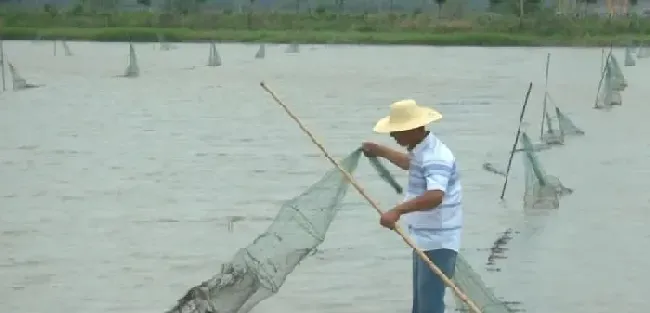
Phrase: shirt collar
(428, 142)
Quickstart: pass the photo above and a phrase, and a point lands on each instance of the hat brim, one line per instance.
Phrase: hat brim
(426, 116)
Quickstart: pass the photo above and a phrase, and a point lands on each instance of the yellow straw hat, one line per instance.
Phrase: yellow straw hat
(406, 115)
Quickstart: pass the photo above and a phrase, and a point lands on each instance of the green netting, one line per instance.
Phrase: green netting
(629, 58)
(551, 135)
(259, 270)
(66, 48)
(618, 81)
(567, 127)
(132, 70)
(261, 52)
(607, 94)
(643, 52)
(164, 45)
(214, 59)
(18, 82)
(293, 48)
(473, 286)
(542, 191)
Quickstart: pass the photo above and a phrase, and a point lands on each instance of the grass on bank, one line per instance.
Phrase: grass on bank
(472, 38)
(487, 29)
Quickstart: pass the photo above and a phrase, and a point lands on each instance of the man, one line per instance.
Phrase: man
(432, 206)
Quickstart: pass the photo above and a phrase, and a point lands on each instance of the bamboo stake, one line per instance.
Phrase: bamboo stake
(544, 104)
(602, 74)
(448, 282)
(514, 145)
(2, 66)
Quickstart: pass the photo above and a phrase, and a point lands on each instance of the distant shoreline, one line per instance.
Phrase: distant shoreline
(461, 38)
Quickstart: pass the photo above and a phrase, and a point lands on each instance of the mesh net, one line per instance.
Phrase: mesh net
(164, 45)
(643, 52)
(542, 191)
(292, 48)
(261, 52)
(214, 59)
(258, 271)
(629, 58)
(607, 94)
(66, 48)
(132, 70)
(471, 283)
(567, 126)
(18, 82)
(618, 81)
(551, 135)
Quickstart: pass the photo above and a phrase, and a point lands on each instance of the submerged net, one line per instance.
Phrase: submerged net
(629, 58)
(490, 167)
(542, 191)
(293, 48)
(132, 70)
(214, 59)
(258, 271)
(471, 283)
(607, 94)
(567, 126)
(261, 52)
(618, 81)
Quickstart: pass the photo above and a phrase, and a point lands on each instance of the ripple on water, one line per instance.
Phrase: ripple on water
(123, 193)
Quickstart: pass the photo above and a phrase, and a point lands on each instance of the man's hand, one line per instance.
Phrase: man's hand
(389, 218)
(371, 149)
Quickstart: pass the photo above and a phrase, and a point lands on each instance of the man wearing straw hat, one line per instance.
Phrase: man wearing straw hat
(432, 206)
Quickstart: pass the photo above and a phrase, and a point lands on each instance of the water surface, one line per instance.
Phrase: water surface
(115, 193)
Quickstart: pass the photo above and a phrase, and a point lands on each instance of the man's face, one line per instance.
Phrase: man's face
(402, 138)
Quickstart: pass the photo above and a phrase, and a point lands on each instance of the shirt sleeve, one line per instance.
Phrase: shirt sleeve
(437, 174)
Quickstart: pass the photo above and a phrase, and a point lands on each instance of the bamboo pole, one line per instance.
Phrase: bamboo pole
(448, 282)
(514, 145)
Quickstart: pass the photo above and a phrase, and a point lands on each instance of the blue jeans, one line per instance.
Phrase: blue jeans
(428, 288)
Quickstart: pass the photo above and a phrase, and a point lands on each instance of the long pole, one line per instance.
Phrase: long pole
(541, 128)
(2, 65)
(602, 74)
(514, 145)
(356, 185)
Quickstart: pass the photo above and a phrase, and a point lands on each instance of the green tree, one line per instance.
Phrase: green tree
(495, 3)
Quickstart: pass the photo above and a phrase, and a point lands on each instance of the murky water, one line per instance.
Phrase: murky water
(115, 193)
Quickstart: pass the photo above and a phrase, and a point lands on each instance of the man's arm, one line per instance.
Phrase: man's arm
(400, 159)
(437, 174)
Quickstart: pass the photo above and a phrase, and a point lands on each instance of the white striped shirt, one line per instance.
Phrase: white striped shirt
(433, 167)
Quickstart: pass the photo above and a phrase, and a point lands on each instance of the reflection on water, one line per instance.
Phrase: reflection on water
(116, 193)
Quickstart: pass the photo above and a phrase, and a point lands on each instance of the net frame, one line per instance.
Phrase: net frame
(541, 191)
(257, 271)
(132, 69)
(608, 96)
(629, 57)
(469, 281)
